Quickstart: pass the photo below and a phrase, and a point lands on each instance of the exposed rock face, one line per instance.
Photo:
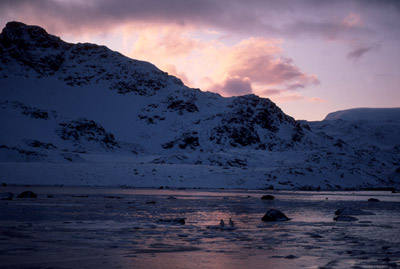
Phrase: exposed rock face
(83, 129)
(32, 47)
(252, 120)
(274, 215)
(344, 218)
(33, 112)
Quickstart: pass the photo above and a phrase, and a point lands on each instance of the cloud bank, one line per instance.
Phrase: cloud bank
(282, 18)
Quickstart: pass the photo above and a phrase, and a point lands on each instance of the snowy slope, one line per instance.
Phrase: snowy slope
(83, 114)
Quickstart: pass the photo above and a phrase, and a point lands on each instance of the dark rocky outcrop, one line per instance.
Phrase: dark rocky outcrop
(27, 194)
(84, 129)
(25, 44)
(344, 218)
(268, 197)
(274, 215)
(348, 211)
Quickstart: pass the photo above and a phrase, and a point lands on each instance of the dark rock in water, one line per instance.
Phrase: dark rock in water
(6, 196)
(268, 197)
(344, 218)
(348, 211)
(50, 196)
(27, 194)
(290, 257)
(180, 221)
(274, 215)
(113, 197)
(315, 235)
(4, 184)
(151, 202)
(373, 200)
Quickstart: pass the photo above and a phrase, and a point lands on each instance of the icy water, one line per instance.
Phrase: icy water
(119, 228)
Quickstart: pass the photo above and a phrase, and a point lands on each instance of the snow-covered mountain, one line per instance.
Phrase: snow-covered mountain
(83, 114)
(368, 114)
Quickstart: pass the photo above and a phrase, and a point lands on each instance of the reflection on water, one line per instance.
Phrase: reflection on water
(120, 228)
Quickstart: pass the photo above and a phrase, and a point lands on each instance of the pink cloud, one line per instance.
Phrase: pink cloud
(288, 98)
(241, 68)
(284, 97)
(167, 41)
(317, 100)
(262, 61)
(171, 69)
(352, 20)
(270, 92)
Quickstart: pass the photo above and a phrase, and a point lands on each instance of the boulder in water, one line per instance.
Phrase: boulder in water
(344, 218)
(274, 215)
(27, 194)
(348, 211)
(374, 200)
(268, 197)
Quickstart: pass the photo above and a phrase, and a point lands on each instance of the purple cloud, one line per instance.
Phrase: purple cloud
(236, 86)
(358, 52)
(268, 17)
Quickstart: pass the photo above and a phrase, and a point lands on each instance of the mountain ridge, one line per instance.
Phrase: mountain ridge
(366, 113)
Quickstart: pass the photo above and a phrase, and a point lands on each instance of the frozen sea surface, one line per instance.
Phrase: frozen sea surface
(67, 227)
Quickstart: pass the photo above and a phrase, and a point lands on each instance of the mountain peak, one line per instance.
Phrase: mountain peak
(22, 35)
(25, 48)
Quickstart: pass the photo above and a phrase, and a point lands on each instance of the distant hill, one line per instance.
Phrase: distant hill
(372, 114)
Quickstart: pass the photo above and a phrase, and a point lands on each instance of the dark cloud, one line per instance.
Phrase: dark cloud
(358, 52)
(235, 86)
(262, 17)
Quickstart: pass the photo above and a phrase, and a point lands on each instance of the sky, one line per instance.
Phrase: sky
(310, 57)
